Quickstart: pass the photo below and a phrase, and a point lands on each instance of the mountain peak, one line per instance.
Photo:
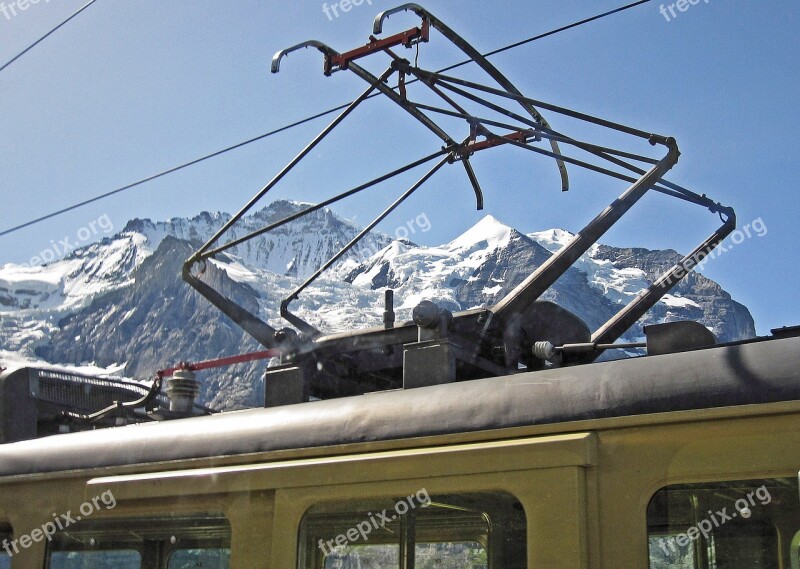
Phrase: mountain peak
(279, 209)
(552, 239)
(488, 230)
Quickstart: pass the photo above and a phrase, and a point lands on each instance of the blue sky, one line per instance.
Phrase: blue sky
(131, 88)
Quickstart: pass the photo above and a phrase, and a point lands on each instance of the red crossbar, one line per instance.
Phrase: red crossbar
(519, 136)
(406, 38)
(221, 362)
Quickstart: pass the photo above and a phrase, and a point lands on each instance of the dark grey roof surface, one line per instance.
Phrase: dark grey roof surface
(756, 372)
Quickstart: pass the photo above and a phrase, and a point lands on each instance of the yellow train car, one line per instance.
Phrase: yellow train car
(683, 460)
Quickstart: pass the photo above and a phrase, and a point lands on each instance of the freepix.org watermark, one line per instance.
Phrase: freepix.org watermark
(374, 521)
(63, 246)
(11, 9)
(756, 228)
(671, 11)
(60, 522)
(342, 7)
(716, 519)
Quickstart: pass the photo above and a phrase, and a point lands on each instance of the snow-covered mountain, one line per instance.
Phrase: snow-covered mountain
(120, 304)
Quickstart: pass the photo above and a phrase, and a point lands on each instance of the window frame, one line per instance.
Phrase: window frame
(552, 475)
(705, 548)
(498, 511)
(154, 536)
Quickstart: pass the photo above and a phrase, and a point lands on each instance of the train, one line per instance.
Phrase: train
(686, 459)
(498, 437)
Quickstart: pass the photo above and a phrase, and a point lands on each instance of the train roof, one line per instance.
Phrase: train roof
(759, 371)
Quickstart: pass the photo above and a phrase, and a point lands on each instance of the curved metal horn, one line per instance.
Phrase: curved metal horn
(377, 25)
(276, 59)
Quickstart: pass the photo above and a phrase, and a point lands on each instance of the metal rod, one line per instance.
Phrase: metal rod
(628, 346)
(467, 117)
(326, 203)
(548, 272)
(602, 152)
(301, 324)
(599, 151)
(590, 347)
(555, 108)
(538, 131)
(330, 53)
(389, 92)
(404, 65)
(473, 179)
(408, 540)
(309, 147)
(262, 332)
(220, 362)
(388, 309)
(646, 299)
(568, 159)
(692, 197)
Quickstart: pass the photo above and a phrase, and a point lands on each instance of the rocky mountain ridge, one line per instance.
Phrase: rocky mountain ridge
(121, 305)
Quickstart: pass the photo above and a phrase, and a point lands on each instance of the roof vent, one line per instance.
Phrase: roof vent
(786, 332)
(677, 336)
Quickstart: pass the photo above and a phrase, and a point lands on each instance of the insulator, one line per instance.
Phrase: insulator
(182, 390)
(543, 350)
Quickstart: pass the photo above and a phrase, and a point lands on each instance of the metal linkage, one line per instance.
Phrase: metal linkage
(479, 59)
(497, 335)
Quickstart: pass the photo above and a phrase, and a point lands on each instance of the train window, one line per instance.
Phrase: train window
(161, 543)
(464, 531)
(5, 551)
(724, 525)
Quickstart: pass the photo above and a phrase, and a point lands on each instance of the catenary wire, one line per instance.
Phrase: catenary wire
(45, 36)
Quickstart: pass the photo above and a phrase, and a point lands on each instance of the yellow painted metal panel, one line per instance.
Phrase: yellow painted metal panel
(545, 452)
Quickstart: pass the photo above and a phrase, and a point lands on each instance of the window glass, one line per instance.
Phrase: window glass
(794, 551)
(175, 543)
(363, 556)
(746, 524)
(460, 531)
(451, 555)
(5, 539)
(116, 559)
(209, 558)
